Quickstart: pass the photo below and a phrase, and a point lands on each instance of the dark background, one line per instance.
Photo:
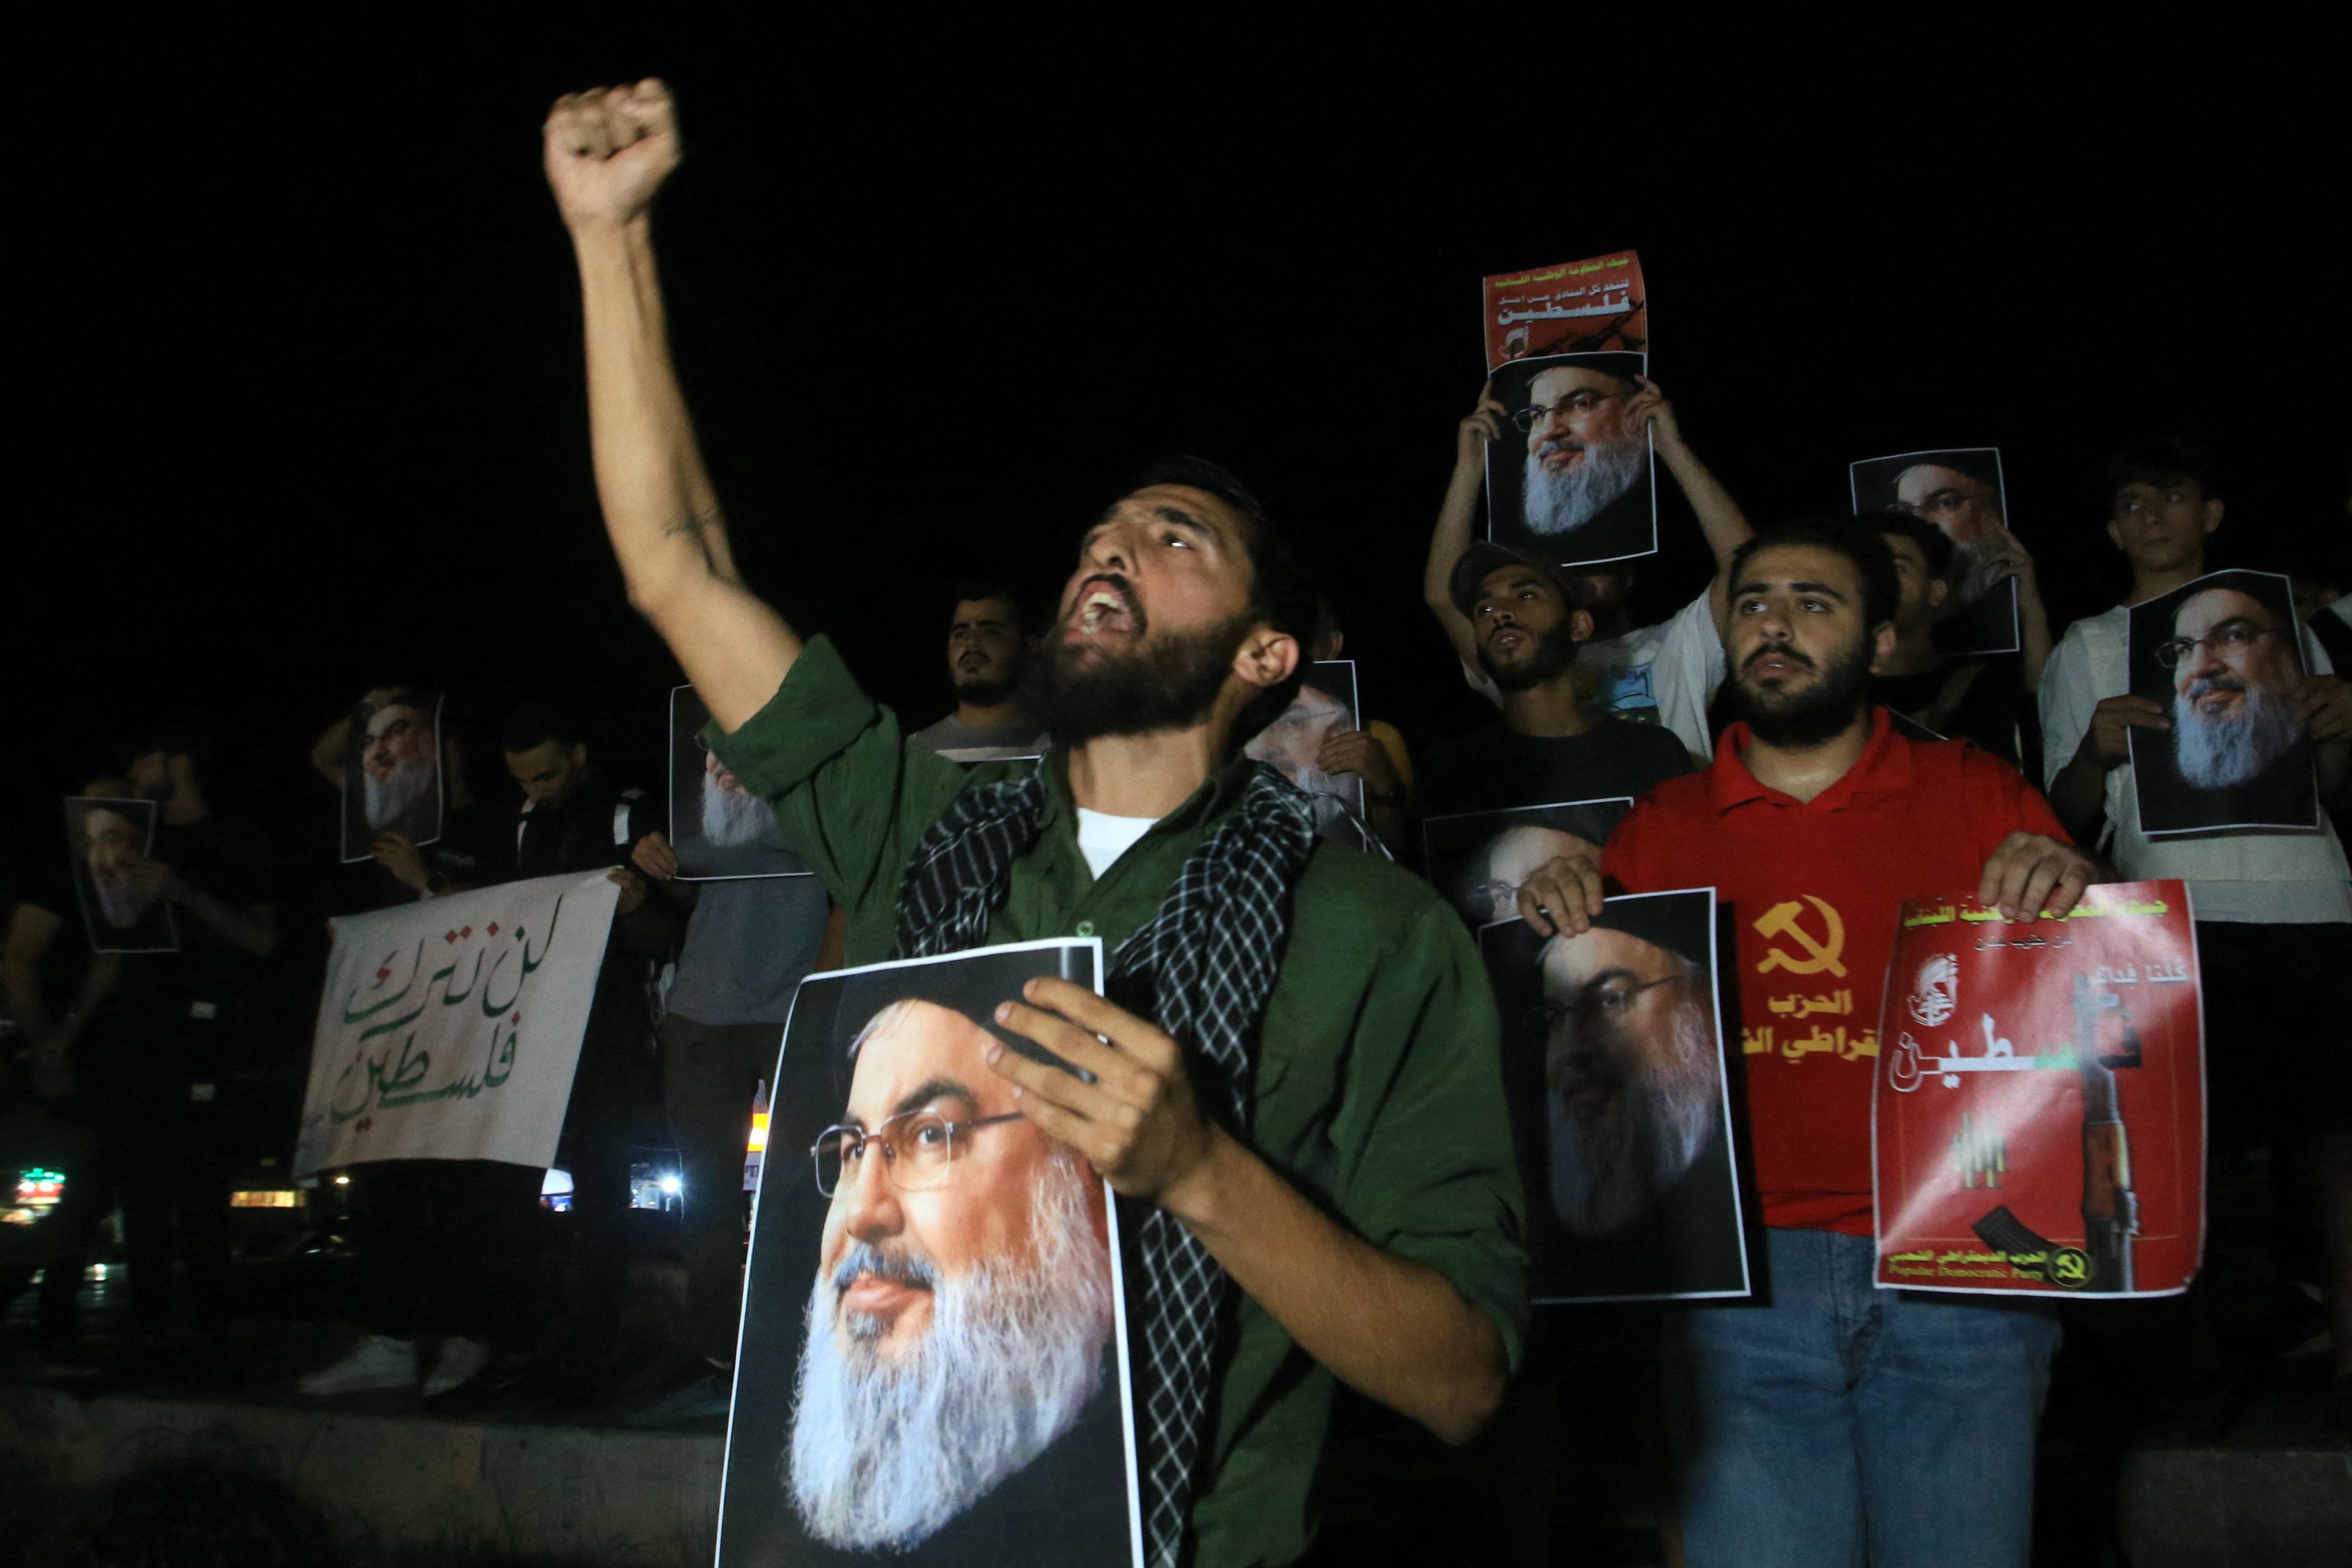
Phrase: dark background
(303, 342)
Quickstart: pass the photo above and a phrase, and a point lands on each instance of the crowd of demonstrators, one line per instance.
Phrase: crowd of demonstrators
(1293, 1081)
(2273, 909)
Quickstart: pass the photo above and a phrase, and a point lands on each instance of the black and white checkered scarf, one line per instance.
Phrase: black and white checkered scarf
(1201, 968)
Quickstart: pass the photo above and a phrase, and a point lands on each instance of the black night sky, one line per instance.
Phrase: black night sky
(316, 346)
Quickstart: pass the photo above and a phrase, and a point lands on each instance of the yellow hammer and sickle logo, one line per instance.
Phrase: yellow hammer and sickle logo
(1782, 920)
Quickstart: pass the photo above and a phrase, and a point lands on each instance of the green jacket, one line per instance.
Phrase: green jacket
(1378, 1089)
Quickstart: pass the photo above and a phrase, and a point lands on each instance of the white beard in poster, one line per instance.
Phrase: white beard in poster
(887, 1451)
(733, 816)
(1607, 1169)
(1976, 569)
(121, 904)
(388, 799)
(1558, 503)
(2231, 748)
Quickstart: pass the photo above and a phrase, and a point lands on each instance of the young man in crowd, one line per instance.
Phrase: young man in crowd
(1835, 1420)
(438, 1239)
(1294, 1080)
(987, 650)
(748, 943)
(1548, 746)
(154, 1058)
(1982, 699)
(1663, 674)
(2273, 909)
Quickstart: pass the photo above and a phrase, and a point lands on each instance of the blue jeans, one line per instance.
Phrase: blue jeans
(1842, 1423)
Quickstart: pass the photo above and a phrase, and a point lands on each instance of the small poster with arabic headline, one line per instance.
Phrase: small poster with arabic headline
(2038, 1115)
(1566, 347)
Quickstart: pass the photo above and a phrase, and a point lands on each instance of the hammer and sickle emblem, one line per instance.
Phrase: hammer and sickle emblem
(1782, 920)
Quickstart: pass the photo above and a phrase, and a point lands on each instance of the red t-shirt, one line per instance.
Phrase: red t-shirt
(1815, 888)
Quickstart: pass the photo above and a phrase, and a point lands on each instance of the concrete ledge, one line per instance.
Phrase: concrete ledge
(577, 1494)
(2236, 1508)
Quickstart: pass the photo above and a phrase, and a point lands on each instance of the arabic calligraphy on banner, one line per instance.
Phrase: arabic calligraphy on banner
(448, 1029)
(2040, 1103)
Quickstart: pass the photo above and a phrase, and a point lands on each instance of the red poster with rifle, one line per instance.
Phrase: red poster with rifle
(2040, 1106)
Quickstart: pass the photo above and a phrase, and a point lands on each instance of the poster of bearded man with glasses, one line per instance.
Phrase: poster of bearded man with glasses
(1620, 1110)
(720, 830)
(392, 772)
(2223, 657)
(1959, 490)
(933, 1363)
(1567, 347)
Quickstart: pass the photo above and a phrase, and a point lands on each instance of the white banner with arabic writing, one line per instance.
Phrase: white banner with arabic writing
(449, 1028)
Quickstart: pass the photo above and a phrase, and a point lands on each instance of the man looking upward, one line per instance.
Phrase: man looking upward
(1827, 1421)
(1300, 1091)
(1663, 674)
(988, 649)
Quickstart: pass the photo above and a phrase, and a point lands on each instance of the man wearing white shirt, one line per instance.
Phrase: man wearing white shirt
(1663, 674)
(2273, 909)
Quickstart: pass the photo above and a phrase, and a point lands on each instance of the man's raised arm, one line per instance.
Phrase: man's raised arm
(607, 152)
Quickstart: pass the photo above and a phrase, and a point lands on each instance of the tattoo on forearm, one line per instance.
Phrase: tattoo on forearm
(708, 523)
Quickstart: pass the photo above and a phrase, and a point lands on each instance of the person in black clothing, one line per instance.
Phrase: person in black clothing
(573, 819)
(1547, 748)
(159, 1046)
(1934, 697)
(438, 1239)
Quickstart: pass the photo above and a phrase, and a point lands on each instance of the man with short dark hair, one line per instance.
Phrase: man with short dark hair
(1664, 674)
(1976, 700)
(1837, 1420)
(2273, 909)
(1294, 1078)
(1548, 747)
(987, 650)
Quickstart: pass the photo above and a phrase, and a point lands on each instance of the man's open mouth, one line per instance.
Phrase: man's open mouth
(1104, 605)
(1771, 662)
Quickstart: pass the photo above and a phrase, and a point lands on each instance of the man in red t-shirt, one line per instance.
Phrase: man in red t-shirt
(1829, 1417)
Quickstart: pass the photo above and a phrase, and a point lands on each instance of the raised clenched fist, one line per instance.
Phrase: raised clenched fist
(609, 149)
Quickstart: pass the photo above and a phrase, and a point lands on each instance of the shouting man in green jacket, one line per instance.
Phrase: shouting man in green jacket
(1294, 1081)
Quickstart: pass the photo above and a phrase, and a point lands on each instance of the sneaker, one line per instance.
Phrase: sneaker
(458, 1361)
(377, 1362)
(706, 1399)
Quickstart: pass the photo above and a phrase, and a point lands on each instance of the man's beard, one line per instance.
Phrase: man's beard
(1559, 502)
(884, 1453)
(1975, 570)
(731, 818)
(985, 691)
(1081, 695)
(1555, 651)
(388, 800)
(121, 904)
(1607, 1171)
(2232, 749)
(1810, 717)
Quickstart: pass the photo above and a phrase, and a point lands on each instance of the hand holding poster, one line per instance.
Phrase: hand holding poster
(1565, 348)
(448, 1029)
(108, 844)
(719, 829)
(2040, 1118)
(1612, 1063)
(933, 1361)
(1959, 490)
(392, 772)
(1479, 858)
(2222, 657)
